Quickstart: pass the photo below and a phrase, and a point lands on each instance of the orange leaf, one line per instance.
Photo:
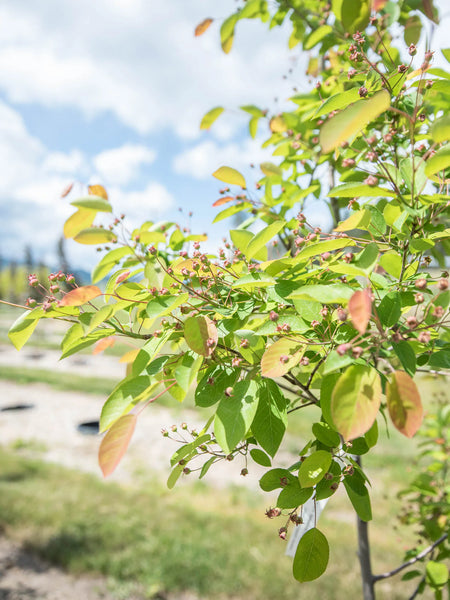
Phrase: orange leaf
(378, 5)
(281, 357)
(98, 190)
(101, 345)
(66, 191)
(80, 295)
(404, 403)
(224, 200)
(115, 443)
(203, 26)
(360, 309)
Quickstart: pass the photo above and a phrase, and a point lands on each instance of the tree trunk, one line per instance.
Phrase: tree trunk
(367, 579)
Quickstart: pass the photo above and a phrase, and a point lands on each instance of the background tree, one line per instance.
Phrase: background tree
(341, 322)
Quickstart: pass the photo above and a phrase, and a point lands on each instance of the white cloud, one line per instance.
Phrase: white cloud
(33, 179)
(143, 205)
(137, 59)
(201, 160)
(122, 165)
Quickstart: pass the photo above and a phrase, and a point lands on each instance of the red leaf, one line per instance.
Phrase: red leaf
(281, 357)
(66, 191)
(360, 309)
(101, 345)
(80, 295)
(115, 443)
(122, 277)
(202, 27)
(404, 404)
(224, 200)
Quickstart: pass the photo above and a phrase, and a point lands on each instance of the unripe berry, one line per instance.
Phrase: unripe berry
(443, 284)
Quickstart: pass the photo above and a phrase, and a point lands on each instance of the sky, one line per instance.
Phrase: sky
(112, 92)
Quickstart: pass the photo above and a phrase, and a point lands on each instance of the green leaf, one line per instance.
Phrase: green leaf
(72, 344)
(357, 220)
(404, 403)
(230, 176)
(95, 235)
(122, 399)
(436, 573)
(438, 162)
(164, 305)
(108, 261)
(440, 360)
(174, 476)
(337, 102)
(212, 386)
(390, 309)
(269, 169)
(354, 189)
(324, 246)
(356, 400)
(313, 468)
(93, 203)
(440, 130)
(201, 335)
(227, 32)
(235, 414)
(22, 328)
(292, 495)
(311, 556)
(210, 117)
(317, 36)
(407, 356)
(335, 293)
(326, 435)
(260, 457)
(275, 479)
(413, 29)
(359, 496)
(232, 210)
(353, 14)
(352, 120)
(270, 422)
(263, 237)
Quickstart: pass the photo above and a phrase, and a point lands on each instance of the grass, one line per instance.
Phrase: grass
(150, 540)
(60, 381)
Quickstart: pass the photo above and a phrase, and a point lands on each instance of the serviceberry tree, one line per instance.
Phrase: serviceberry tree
(340, 320)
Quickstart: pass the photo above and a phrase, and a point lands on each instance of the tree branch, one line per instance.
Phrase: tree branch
(411, 561)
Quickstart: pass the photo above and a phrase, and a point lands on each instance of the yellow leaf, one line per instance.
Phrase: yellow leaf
(80, 220)
(231, 176)
(350, 121)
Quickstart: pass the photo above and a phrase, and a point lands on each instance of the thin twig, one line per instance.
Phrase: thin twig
(411, 561)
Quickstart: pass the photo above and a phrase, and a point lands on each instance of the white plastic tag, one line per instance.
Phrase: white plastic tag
(310, 515)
